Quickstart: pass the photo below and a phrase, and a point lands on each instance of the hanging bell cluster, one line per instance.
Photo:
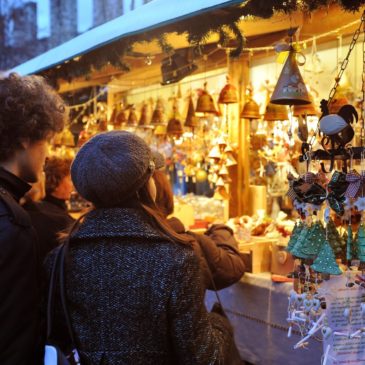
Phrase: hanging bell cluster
(222, 157)
(290, 88)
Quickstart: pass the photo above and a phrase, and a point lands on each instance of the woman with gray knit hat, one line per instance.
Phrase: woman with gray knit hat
(133, 286)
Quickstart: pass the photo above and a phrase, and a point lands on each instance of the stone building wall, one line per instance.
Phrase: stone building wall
(18, 25)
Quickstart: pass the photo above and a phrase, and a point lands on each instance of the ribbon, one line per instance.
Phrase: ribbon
(338, 183)
(291, 193)
(355, 181)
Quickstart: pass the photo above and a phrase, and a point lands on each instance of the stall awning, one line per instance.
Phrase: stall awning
(147, 17)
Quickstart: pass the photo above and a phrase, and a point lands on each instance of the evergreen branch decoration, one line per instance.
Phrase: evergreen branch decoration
(198, 33)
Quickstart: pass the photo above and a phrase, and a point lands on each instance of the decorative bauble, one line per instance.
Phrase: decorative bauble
(201, 176)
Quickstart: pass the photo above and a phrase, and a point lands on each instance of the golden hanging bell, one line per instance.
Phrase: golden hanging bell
(276, 112)
(250, 110)
(120, 119)
(223, 171)
(191, 120)
(307, 109)
(231, 161)
(143, 119)
(215, 153)
(290, 88)
(132, 117)
(174, 127)
(228, 94)
(157, 115)
(221, 193)
(205, 102)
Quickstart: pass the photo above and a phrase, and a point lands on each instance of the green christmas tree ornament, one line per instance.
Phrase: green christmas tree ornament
(301, 241)
(334, 238)
(314, 242)
(361, 243)
(326, 261)
(349, 255)
(294, 235)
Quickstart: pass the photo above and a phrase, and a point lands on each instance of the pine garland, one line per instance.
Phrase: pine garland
(198, 32)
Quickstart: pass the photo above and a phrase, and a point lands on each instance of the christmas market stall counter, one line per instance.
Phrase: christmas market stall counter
(256, 307)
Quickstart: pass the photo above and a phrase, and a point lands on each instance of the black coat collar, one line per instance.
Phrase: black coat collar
(13, 184)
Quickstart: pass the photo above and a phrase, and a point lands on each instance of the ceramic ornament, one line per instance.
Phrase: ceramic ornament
(294, 236)
(314, 242)
(334, 238)
(302, 238)
(361, 243)
(349, 244)
(326, 261)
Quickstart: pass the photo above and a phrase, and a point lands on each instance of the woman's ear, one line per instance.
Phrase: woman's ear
(25, 143)
(151, 186)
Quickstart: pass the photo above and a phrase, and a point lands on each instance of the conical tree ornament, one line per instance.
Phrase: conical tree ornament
(294, 235)
(361, 243)
(290, 88)
(349, 244)
(313, 244)
(297, 249)
(334, 238)
(326, 261)
(355, 247)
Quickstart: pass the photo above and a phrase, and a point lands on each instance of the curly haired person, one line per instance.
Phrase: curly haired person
(31, 112)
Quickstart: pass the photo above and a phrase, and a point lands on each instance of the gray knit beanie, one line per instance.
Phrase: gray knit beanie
(110, 167)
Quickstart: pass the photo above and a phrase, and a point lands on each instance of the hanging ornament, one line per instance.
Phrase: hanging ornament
(157, 115)
(315, 240)
(120, 119)
(143, 120)
(349, 255)
(294, 235)
(302, 237)
(205, 102)
(304, 110)
(361, 243)
(290, 88)
(132, 117)
(326, 262)
(228, 94)
(250, 110)
(333, 238)
(174, 126)
(276, 112)
(191, 120)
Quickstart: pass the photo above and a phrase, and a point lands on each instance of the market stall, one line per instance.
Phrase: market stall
(237, 123)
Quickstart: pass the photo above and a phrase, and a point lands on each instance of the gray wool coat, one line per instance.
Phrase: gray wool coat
(136, 298)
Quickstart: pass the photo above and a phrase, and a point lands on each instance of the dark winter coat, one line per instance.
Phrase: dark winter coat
(49, 217)
(136, 298)
(19, 277)
(217, 252)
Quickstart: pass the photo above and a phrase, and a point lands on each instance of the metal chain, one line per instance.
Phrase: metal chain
(346, 59)
(342, 70)
(362, 116)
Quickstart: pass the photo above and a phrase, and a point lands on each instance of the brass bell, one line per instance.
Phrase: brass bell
(276, 112)
(250, 110)
(290, 88)
(228, 94)
(215, 153)
(120, 119)
(221, 193)
(205, 102)
(231, 161)
(143, 120)
(174, 127)
(157, 115)
(132, 117)
(305, 109)
(337, 104)
(191, 120)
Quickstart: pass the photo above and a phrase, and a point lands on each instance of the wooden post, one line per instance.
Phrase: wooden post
(240, 135)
